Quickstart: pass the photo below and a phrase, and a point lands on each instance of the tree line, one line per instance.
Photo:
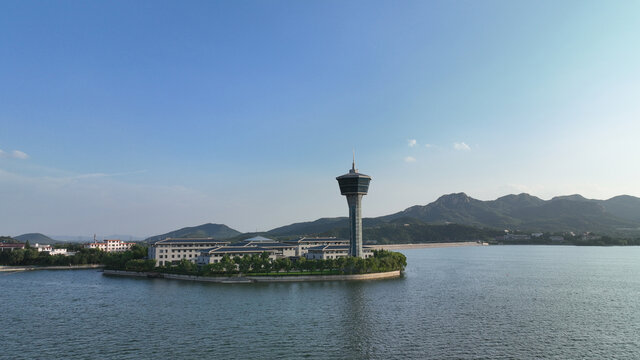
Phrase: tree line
(31, 256)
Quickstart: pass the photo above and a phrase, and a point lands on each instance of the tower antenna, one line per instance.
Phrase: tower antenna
(353, 164)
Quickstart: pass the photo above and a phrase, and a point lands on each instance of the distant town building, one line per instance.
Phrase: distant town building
(590, 236)
(61, 251)
(50, 249)
(110, 245)
(43, 247)
(513, 237)
(556, 238)
(10, 247)
(324, 252)
(173, 250)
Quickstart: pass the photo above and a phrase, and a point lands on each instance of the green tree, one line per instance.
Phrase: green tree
(287, 264)
(244, 263)
(228, 264)
(16, 257)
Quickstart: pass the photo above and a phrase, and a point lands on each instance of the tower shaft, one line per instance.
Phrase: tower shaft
(355, 224)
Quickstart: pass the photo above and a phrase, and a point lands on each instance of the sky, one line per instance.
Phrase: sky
(142, 117)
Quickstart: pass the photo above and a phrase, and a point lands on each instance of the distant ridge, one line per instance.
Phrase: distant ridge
(514, 212)
(218, 231)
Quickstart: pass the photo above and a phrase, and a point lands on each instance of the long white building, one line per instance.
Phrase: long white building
(172, 250)
(209, 250)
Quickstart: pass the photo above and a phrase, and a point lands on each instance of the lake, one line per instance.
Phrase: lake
(461, 302)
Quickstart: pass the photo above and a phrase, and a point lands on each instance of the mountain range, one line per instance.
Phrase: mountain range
(455, 217)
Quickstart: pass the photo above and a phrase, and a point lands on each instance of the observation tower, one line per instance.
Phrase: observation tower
(354, 185)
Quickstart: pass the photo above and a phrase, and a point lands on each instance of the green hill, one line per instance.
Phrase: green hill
(217, 231)
(310, 227)
(624, 207)
(34, 238)
(8, 240)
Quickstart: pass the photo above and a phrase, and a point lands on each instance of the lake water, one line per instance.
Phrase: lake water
(467, 302)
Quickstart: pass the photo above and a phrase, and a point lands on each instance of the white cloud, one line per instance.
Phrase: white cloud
(15, 154)
(412, 142)
(461, 146)
(103, 175)
(409, 159)
(429, 145)
(19, 154)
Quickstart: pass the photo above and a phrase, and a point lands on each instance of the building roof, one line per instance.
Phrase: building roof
(12, 245)
(268, 245)
(329, 247)
(236, 249)
(190, 241)
(259, 239)
(353, 172)
(335, 247)
(317, 239)
(276, 245)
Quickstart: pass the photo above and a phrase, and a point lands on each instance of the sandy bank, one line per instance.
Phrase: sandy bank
(422, 246)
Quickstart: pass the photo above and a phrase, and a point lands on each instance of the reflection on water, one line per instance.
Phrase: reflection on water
(473, 302)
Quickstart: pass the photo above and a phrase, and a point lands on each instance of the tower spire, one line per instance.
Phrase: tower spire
(353, 164)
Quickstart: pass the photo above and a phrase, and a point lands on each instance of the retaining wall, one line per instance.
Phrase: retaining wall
(252, 279)
(34, 267)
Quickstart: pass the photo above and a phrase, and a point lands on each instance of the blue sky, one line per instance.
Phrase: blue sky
(140, 117)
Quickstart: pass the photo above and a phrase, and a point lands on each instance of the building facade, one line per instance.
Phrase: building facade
(326, 252)
(215, 255)
(11, 247)
(281, 249)
(171, 251)
(304, 243)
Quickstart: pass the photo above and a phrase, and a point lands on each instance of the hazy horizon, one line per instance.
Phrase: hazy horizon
(144, 117)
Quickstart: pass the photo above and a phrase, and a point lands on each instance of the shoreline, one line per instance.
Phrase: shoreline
(256, 279)
(425, 245)
(36, 267)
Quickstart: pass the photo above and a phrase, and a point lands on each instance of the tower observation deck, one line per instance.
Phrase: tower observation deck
(354, 185)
